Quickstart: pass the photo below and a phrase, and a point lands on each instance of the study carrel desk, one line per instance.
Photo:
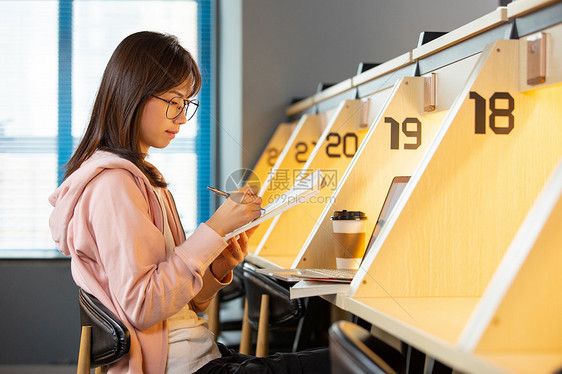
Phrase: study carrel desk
(463, 312)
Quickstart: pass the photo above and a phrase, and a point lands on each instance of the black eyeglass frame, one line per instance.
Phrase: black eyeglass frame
(186, 104)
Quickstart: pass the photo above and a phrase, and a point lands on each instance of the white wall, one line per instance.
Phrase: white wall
(289, 46)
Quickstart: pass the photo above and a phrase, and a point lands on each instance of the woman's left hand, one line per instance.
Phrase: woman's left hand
(232, 255)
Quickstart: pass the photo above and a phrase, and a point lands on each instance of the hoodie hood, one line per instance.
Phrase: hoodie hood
(65, 198)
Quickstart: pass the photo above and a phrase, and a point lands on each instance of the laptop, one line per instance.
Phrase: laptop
(344, 275)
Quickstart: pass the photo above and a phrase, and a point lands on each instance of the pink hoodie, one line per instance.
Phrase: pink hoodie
(107, 217)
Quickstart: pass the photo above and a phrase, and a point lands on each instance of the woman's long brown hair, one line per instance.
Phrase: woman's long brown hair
(143, 64)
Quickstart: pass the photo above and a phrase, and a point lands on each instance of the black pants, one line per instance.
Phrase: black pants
(315, 361)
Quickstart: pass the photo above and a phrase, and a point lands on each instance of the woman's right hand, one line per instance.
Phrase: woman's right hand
(240, 208)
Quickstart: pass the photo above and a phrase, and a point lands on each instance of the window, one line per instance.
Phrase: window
(53, 57)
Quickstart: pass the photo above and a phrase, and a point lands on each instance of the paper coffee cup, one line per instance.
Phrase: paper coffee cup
(349, 234)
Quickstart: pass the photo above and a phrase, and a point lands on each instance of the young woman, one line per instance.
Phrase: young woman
(114, 215)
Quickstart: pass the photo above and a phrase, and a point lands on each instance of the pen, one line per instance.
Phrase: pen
(218, 192)
(226, 195)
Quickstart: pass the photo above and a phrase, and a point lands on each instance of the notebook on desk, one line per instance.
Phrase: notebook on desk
(344, 275)
(301, 191)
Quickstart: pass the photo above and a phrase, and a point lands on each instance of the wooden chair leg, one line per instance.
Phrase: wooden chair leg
(98, 370)
(246, 339)
(213, 314)
(84, 352)
(262, 347)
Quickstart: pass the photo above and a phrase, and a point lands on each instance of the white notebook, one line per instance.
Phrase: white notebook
(301, 191)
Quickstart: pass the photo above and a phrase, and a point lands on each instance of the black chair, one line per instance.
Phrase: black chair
(104, 338)
(268, 305)
(353, 350)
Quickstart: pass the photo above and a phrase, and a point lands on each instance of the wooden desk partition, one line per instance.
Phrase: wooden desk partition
(455, 220)
(294, 156)
(272, 152)
(518, 321)
(347, 130)
(405, 103)
(386, 152)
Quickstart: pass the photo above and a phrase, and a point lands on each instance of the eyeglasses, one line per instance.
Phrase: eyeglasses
(177, 104)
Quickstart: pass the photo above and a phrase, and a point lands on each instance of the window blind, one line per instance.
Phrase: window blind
(54, 54)
(206, 140)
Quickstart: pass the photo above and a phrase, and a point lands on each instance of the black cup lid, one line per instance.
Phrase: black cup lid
(348, 215)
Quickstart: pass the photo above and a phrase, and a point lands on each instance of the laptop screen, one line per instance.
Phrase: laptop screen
(396, 187)
(294, 275)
